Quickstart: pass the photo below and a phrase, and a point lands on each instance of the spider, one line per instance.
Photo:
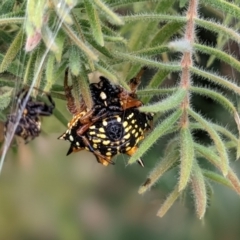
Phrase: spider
(114, 125)
(29, 125)
(107, 100)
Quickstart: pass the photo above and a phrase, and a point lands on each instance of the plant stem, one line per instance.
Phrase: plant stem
(186, 61)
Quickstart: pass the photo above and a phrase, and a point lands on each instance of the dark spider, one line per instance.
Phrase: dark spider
(108, 99)
(114, 124)
(110, 136)
(29, 125)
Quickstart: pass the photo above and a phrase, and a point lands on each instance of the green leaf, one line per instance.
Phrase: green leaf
(94, 22)
(12, 51)
(154, 17)
(223, 130)
(225, 57)
(208, 154)
(232, 177)
(167, 104)
(4, 20)
(216, 138)
(144, 61)
(112, 17)
(79, 43)
(50, 72)
(84, 87)
(173, 196)
(186, 157)
(218, 28)
(5, 99)
(49, 39)
(218, 97)
(151, 92)
(74, 60)
(164, 165)
(166, 32)
(217, 178)
(199, 190)
(225, 6)
(214, 77)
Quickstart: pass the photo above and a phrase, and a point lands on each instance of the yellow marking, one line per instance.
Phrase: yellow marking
(127, 144)
(130, 116)
(115, 143)
(71, 138)
(127, 136)
(109, 154)
(101, 135)
(104, 123)
(92, 133)
(132, 151)
(77, 143)
(133, 131)
(136, 126)
(128, 128)
(125, 123)
(106, 142)
(95, 145)
(136, 134)
(96, 140)
(103, 95)
(92, 127)
(101, 130)
(119, 119)
(133, 121)
(128, 148)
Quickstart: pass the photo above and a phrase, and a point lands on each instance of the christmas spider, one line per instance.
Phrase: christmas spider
(107, 100)
(114, 124)
(29, 125)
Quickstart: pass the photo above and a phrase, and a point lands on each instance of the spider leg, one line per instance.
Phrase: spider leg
(52, 103)
(134, 82)
(20, 98)
(87, 120)
(129, 100)
(70, 99)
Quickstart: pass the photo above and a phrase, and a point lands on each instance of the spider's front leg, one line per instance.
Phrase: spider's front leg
(129, 100)
(72, 108)
(135, 82)
(40, 108)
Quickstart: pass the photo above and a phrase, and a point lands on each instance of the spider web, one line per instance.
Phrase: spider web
(14, 105)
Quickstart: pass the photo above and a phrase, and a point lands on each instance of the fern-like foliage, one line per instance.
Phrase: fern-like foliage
(117, 38)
